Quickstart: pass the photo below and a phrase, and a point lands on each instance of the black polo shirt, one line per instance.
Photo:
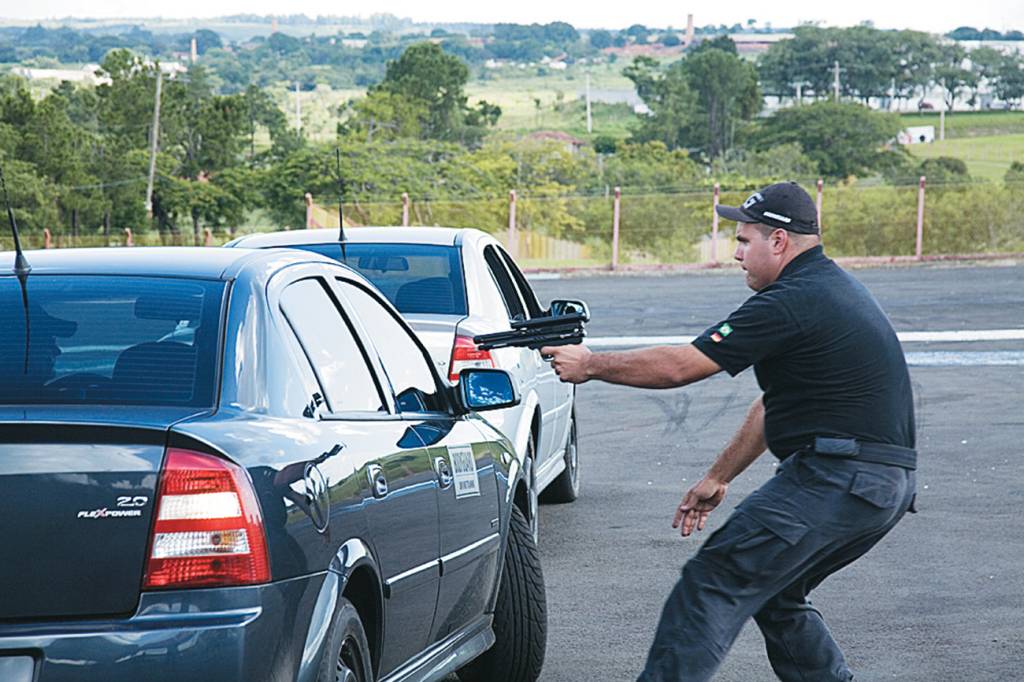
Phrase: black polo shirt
(824, 354)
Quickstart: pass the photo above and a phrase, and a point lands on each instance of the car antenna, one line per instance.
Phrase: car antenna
(21, 266)
(341, 215)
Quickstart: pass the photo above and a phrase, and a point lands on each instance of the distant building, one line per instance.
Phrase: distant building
(86, 74)
(572, 144)
(916, 135)
(756, 43)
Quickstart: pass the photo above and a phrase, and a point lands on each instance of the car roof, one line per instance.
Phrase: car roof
(442, 236)
(195, 262)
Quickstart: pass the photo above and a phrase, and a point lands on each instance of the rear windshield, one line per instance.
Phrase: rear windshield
(416, 278)
(109, 340)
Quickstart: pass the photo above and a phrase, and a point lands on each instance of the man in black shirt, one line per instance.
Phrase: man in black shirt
(836, 408)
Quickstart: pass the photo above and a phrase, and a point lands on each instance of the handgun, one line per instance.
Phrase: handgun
(565, 328)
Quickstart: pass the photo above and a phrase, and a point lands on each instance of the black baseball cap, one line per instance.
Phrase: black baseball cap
(785, 205)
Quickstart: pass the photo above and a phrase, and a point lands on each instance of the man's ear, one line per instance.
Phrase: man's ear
(779, 240)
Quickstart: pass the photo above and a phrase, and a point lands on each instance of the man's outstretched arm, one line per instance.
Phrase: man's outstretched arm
(655, 367)
(745, 446)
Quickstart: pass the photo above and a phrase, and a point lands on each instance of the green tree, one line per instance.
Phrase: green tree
(638, 32)
(600, 39)
(261, 111)
(950, 74)
(915, 54)
(383, 115)
(207, 40)
(727, 93)
(1010, 80)
(698, 101)
(944, 170)
(722, 42)
(431, 79)
(1015, 174)
(842, 139)
(743, 169)
(672, 104)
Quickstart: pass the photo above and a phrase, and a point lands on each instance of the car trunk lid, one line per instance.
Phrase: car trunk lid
(79, 496)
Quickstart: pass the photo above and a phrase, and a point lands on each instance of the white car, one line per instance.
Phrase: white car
(451, 285)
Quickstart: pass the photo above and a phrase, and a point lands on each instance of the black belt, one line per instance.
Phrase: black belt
(877, 453)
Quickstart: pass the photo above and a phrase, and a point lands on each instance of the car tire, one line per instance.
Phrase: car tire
(566, 488)
(347, 655)
(520, 615)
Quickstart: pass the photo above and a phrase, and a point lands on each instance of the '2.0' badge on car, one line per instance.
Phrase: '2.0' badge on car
(128, 507)
(464, 471)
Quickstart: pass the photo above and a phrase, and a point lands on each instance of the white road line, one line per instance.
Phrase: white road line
(906, 337)
(996, 358)
(966, 335)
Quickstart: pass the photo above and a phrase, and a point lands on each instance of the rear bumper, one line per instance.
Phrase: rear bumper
(226, 634)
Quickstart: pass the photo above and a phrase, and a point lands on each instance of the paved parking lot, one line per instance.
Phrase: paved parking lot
(941, 598)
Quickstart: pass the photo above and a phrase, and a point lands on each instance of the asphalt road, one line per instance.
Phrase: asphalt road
(941, 598)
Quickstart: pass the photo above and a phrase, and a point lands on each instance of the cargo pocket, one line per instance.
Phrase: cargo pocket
(875, 489)
(754, 546)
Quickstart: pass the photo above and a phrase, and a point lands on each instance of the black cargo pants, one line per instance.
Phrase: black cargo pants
(815, 516)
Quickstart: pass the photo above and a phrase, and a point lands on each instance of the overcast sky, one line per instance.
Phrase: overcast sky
(929, 15)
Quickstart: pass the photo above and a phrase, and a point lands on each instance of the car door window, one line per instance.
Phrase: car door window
(338, 361)
(505, 284)
(405, 362)
(532, 307)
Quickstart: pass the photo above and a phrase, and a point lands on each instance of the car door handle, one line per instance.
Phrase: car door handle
(444, 473)
(378, 482)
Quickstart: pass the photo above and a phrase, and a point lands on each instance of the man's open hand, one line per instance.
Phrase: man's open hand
(569, 362)
(698, 502)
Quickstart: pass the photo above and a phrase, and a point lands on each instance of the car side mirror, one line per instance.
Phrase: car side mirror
(486, 389)
(560, 307)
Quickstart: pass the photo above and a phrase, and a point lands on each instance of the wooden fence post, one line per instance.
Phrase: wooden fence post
(128, 237)
(47, 238)
(615, 227)
(513, 242)
(920, 218)
(405, 209)
(309, 210)
(714, 225)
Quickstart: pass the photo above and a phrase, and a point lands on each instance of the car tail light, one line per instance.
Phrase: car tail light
(465, 354)
(208, 530)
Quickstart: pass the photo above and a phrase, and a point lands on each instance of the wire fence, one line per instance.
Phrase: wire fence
(577, 230)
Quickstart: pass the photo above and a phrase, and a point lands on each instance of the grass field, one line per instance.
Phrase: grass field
(319, 108)
(987, 157)
(553, 101)
(528, 101)
(971, 123)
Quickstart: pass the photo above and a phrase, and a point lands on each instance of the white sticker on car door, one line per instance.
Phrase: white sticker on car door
(467, 484)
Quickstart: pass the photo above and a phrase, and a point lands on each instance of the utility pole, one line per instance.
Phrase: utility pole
(298, 110)
(590, 119)
(835, 80)
(154, 141)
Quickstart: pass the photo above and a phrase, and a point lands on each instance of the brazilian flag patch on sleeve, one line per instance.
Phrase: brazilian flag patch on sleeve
(721, 333)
